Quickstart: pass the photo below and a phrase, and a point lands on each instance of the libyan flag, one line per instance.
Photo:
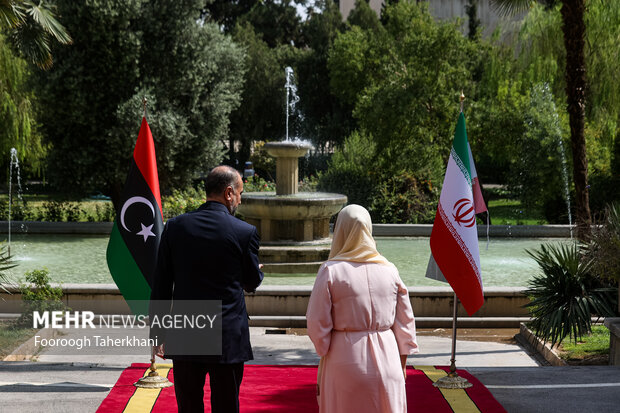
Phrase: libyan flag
(132, 249)
(454, 239)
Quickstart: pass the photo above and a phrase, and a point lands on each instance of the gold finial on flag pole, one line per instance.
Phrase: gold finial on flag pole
(144, 101)
(462, 100)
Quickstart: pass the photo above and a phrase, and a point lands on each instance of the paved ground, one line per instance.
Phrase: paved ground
(64, 383)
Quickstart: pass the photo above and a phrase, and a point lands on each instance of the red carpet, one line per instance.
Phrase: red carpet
(292, 389)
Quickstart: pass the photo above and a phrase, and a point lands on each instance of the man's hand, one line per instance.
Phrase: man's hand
(159, 351)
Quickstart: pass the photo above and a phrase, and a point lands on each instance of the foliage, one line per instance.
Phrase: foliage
(604, 246)
(258, 184)
(32, 26)
(20, 211)
(39, 296)
(308, 184)
(6, 263)
(103, 213)
(496, 124)
(326, 119)
(594, 344)
(403, 83)
(276, 21)
(181, 202)
(352, 171)
(565, 295)
(260, 116)
(189, 72)
(12, 337)
(264, 164)
(61, 211)
(404, 199)
(364, 17)
(473, 22)
(507, 211)
(18, 126)
(542, 58)
(536, 175)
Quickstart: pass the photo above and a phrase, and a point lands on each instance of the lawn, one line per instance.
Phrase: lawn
(505, 211)
(590, 349)
(12, 337)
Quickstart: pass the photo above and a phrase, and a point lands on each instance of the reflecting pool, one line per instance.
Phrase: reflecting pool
(81, 259)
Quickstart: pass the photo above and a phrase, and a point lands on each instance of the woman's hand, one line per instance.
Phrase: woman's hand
(403, 364)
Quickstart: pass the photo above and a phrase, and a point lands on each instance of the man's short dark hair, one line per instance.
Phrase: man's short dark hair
(220, 178)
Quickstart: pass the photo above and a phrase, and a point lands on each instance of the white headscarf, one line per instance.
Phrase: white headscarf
(353, 239)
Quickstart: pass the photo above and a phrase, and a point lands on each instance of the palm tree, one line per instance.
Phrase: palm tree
(31, 27)
(574, 29)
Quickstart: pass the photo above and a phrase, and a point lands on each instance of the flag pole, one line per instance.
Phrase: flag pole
(153, 380)
(453, 380)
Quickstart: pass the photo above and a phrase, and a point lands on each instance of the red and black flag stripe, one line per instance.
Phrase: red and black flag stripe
(132, 249)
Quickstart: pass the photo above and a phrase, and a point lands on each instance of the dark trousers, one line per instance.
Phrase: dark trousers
(189, 382)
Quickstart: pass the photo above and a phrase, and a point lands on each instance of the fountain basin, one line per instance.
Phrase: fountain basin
(288, 149)
(297, 218)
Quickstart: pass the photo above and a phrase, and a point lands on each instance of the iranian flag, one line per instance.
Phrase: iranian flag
(132, 249)
(454, 239)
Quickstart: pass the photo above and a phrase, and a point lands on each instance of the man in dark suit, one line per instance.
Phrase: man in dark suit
(208, 254)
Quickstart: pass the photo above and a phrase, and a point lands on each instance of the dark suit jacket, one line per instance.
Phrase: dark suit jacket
(209, 254)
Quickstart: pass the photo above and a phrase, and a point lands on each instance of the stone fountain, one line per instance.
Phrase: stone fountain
(288, 216)
(294, 226)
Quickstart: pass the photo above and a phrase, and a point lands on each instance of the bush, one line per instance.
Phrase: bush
(309, 184)
(351, 171)
(537, 174)
(39, 297)
(20, 211)
(60, 211)
(105, 213)
(404, 199)
(264, 164)
(566, 295)
(604, 246)
(73, 212)
(181, 201)
(258, 184)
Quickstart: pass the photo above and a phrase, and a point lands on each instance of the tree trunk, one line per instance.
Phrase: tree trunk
(574, 41)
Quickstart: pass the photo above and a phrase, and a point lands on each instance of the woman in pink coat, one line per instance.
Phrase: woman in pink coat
(361, 323)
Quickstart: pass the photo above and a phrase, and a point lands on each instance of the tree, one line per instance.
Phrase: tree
(18, 126)
(327, 119)
(29, 28)
(276, 21)
(124, 50)
(403, 81)
(260, 117)
(363, 16)
(226, 13)
(473, 22)
(32, 26)
(574, 31)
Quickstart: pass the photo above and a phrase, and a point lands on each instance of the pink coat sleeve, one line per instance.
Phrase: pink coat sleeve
(319, 313)
(404, 322)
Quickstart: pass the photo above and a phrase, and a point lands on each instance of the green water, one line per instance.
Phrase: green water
(81, 259)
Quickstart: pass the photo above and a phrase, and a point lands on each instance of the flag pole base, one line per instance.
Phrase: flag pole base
(153, 380)
(452, 380)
